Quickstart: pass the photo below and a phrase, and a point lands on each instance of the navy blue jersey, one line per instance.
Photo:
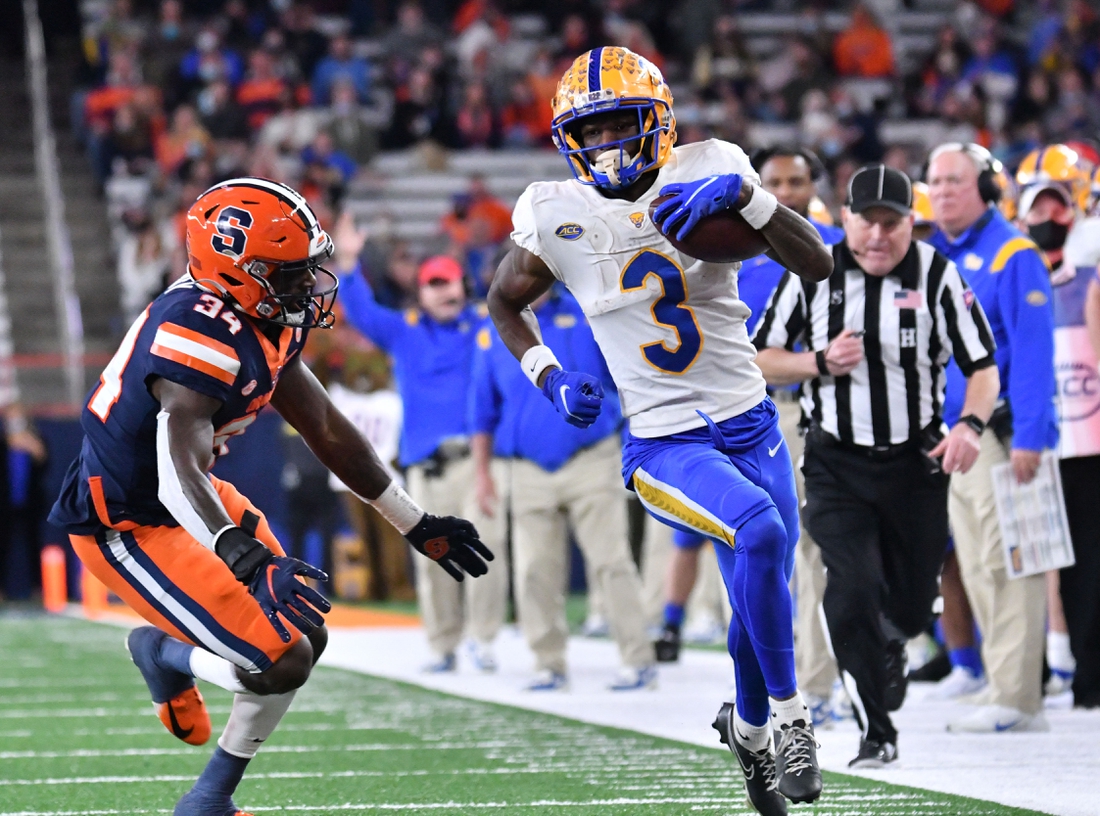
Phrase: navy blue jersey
(188, 336)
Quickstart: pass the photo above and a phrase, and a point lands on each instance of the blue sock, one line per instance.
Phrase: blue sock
(674, 615)
(969, 658)
(222, 775)
(175, 654)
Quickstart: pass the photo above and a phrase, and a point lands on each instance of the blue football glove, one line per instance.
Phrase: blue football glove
(273, 579)
(695, 200)
(279, 592)
(577, 396)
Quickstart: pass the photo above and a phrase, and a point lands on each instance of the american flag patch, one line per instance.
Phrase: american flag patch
(908, 299)
(968, 298)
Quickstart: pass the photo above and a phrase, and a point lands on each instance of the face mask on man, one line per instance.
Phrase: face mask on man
(1048, 235)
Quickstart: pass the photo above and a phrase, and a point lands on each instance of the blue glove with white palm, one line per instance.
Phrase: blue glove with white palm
(577, 396)
(694, 200)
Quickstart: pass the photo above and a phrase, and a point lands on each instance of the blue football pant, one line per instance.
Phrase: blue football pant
(746, 503)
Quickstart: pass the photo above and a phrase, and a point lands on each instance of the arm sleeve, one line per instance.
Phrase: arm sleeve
(383, 327)
(197, 351)
(1028, 315)
(966, 331)
(483, 410)
(784, 321)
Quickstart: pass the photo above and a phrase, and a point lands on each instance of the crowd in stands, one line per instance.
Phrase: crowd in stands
(180, 94)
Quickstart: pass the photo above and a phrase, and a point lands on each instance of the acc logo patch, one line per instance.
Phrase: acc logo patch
(1035, 298)
(637, 219)
(569, 231)
(972, 262)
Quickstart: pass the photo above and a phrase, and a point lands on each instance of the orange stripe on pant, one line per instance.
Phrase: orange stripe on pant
(199, 574)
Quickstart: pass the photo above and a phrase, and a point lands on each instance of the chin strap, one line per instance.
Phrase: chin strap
(609, 164)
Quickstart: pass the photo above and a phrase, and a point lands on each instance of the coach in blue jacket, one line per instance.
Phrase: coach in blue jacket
(432, 350)
(560, 475)
(1009, 278)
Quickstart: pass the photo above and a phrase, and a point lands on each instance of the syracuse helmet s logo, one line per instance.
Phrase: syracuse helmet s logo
(569, 231)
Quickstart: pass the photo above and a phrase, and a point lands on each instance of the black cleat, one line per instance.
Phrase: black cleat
(799, 778)
(758, 767)
(874, 754)
(666, 648)
(897, 680)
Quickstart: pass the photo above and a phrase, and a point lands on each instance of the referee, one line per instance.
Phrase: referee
(879, 332)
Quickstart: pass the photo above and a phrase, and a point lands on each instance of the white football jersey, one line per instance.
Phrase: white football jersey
(671, 327)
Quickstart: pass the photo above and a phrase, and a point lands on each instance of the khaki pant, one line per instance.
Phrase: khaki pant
(708, 597)
(1011, 614)
(815, 667)
(476, 605)
(586, 492)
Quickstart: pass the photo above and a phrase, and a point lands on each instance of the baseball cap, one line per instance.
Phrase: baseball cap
(876, 185)
(440, 267)
(1031, 191)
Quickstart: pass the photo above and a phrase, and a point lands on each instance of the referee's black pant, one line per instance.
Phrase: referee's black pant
(882, 528)
(1081, 582)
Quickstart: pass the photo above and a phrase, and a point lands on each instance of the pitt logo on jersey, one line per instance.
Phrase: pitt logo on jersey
(569, 231)
(637, 219)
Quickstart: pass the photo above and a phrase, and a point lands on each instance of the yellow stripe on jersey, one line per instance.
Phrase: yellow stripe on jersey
(668, 502)
(1019, 244)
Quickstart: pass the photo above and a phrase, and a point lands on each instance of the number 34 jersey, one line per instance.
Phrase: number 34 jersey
(190, 337)
(671, 327)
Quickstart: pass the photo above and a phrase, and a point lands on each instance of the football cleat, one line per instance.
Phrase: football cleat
(194, 803)
(874, 754)
(632, 679)
(442, 664)
(547, 680)
(761, 783)
(667, 647)
(176, 699)
(799, 778)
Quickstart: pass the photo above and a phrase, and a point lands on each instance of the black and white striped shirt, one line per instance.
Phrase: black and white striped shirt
(915, 319)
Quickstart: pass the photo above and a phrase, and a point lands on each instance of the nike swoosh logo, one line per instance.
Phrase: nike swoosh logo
(270, 571)
(561, 392)
(182, 733)
(1005, 726)
(772, 451)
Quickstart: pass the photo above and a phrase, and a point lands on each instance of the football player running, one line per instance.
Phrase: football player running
(185, 549)
(705, 453)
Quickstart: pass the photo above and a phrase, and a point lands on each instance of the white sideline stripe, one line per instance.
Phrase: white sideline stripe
(184, 345)
(196, 627)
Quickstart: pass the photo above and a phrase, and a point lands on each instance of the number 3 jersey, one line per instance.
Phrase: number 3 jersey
(187, 336)
(671, 327)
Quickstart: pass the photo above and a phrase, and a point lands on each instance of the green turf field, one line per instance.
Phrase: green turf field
(78, 737)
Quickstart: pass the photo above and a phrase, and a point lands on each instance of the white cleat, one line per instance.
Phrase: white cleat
(993, 719)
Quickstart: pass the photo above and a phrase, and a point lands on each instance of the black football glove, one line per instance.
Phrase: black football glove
(272, 580)
(452, 543)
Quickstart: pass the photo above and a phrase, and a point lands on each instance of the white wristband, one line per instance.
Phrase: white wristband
(398, 508)
(536, 360)
(760, 208)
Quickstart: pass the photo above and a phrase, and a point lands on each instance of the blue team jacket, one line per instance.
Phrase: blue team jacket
(431, 364)
(1008, 275)
(760, 275)
(523, 422)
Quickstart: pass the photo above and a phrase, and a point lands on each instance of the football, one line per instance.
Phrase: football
(724, 237)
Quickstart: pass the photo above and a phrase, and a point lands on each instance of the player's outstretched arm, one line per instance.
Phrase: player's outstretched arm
(185, 454)
(302, 401)
(520, 279)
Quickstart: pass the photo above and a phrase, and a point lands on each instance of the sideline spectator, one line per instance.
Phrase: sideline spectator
(1008, 278)
(432, 348)
(559, 474)
(340, 66)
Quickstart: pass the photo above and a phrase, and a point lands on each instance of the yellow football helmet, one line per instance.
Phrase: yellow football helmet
(609, 79)
(922, 205)
(819, 212)
(1055, 167)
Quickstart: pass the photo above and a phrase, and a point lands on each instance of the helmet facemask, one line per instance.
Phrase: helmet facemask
(610, 165)
(304, 310)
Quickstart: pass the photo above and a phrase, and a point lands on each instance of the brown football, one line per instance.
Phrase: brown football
(724, 237)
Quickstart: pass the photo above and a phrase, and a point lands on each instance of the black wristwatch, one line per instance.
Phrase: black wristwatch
(975, 424)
